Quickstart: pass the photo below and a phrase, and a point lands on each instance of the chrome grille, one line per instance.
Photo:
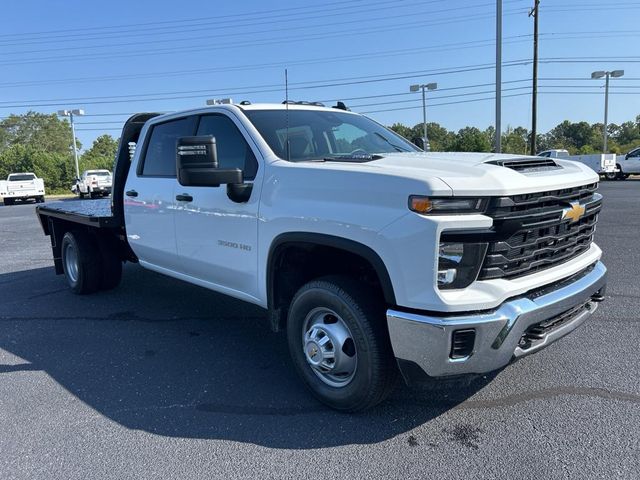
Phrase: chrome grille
(531, 234)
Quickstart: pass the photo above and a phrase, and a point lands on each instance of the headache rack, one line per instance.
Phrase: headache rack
(533, 232)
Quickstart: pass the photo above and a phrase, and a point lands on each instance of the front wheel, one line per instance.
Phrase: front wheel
(339, 343)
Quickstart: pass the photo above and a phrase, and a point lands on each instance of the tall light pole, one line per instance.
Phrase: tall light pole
(607, 74)
(498, 146)
(70, 114)
(424, 87)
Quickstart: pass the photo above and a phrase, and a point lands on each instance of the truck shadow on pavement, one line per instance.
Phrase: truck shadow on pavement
(172, 359)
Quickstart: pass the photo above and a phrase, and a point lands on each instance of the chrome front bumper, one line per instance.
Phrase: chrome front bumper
(426, 340)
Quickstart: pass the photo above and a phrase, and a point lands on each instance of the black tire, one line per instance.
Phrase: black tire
(111, 266)
(87, 275)
(8, 202)
(611, 176)
(40, 199)
(357, 307)
(81, 195)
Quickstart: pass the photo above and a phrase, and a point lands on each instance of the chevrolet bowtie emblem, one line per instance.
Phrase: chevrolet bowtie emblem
(573, 213)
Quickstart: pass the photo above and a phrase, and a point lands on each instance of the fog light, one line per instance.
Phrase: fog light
(459, 263)
(445, 277)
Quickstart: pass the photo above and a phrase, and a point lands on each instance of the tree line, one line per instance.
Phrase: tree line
(42, 144)
(579, 138)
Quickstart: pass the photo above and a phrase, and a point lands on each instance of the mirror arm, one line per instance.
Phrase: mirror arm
(239, 192)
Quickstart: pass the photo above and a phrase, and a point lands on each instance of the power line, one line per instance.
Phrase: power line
(234, 45)
(237, 29)
(265, 88)
(262, 88)
(320, 60)
(219, 22)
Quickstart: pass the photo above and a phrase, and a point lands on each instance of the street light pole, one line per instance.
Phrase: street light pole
(606, 113)
(70, 114)
(75, 147)
(607, 75)
(424, 87)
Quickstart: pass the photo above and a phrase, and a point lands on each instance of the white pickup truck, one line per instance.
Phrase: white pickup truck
(21, 187)
(95, 183)
(375, 257)
(628, 164)
(603, 164)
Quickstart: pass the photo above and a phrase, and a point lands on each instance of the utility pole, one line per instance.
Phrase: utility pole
(534, 96)
(498, 146)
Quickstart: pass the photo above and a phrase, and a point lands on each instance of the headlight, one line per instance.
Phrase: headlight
(444, 206)
(459, 263)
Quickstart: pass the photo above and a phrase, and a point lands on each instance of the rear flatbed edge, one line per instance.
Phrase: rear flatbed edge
(94, 213)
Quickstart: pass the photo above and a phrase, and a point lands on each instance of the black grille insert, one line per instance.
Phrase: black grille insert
(532, 233)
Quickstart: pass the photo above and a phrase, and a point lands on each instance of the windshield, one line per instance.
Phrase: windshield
(317, 135)
(21, 177)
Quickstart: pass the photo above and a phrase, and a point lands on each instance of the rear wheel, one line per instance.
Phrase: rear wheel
(81, 262)
(8, 202)
(611, 175)
(339, 343)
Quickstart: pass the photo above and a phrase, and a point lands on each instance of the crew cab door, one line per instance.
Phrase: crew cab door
(149, 198)
(217, 237)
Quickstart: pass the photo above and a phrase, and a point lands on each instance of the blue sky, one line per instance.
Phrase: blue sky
(115, 58)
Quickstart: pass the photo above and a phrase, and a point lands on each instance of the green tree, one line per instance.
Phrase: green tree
(402, 130)
(515, 140)
(471, 139)
(55, 168)
(101, 155)
(45, 132)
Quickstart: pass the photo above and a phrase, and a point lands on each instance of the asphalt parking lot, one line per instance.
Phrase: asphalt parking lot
(160, 379)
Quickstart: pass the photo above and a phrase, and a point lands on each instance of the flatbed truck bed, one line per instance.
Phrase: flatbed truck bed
(94, 213)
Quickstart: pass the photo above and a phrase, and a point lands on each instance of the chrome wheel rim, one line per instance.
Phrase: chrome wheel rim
(71, 262)
(329, 348)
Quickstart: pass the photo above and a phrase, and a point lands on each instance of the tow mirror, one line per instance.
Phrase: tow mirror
(197, 164)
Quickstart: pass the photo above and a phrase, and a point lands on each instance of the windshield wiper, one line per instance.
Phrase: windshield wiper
(353, 158)
(400, 149)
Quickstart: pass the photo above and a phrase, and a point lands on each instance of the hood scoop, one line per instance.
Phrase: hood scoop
(528, 165)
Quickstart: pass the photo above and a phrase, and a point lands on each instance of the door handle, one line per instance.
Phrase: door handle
(131, 193)
(184, 198)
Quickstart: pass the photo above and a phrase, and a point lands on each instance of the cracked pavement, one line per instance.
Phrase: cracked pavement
(160, 379)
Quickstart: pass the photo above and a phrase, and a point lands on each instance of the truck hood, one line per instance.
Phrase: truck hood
(483, 174)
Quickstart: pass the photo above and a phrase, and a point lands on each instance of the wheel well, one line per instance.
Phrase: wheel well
(294, 263)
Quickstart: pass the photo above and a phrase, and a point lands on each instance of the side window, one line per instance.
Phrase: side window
(233, 150)
(160, 155)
